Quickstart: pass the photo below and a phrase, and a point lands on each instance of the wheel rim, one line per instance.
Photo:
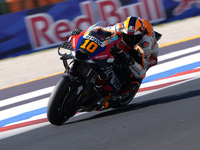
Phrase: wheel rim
(67, 109)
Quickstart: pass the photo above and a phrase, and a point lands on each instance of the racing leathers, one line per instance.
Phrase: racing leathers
(147, 49)
(144, 54)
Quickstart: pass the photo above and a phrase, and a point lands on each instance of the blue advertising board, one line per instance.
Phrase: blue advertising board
(45, 27)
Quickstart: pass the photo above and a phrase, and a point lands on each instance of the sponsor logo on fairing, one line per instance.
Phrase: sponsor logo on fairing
(101, 56)
(94, 39)
(114, 80)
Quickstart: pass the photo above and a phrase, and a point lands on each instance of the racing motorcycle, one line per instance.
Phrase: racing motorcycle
(77, 91)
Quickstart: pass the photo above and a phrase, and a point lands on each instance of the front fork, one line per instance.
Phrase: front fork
(88, 91)
(85, 85)
(66, 64)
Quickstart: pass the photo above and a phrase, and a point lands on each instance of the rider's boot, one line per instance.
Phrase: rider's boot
(104, 101)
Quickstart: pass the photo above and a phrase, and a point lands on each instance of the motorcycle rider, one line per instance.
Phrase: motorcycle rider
(138, 39)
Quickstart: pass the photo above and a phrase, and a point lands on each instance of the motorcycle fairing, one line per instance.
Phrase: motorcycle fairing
(104, 51)
(76, 41)
(94, 47)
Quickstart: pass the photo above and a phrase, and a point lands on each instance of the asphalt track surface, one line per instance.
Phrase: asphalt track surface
(168, 119)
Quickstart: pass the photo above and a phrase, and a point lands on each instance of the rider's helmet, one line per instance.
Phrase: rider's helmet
(133, 31)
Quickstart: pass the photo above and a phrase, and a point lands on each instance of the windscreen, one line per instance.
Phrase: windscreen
(100, 34)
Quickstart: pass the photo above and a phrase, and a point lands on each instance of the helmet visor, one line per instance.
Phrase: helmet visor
(132, 40)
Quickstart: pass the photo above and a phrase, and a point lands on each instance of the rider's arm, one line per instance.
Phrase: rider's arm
(114, 29)
(149, 45)
(150, 50)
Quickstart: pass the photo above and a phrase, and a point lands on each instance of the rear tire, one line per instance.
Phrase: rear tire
(126, 100)
(58, 98)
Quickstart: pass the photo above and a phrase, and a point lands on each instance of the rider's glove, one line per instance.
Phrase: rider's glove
(120, 55)
(115, 50)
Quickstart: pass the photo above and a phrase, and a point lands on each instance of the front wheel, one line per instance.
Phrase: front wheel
(60, 106)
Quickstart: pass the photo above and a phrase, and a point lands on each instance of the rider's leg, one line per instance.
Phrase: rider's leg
(112, 86)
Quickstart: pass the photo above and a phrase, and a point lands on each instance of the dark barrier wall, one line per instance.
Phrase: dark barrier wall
(45, 27)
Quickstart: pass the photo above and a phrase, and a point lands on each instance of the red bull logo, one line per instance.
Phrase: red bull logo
(185, 5)
(44, 31)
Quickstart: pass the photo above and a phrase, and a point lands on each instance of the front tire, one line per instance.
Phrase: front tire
(56, 108)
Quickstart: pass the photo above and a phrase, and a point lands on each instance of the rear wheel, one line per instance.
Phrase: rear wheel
(126, 99)
(62, 102)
